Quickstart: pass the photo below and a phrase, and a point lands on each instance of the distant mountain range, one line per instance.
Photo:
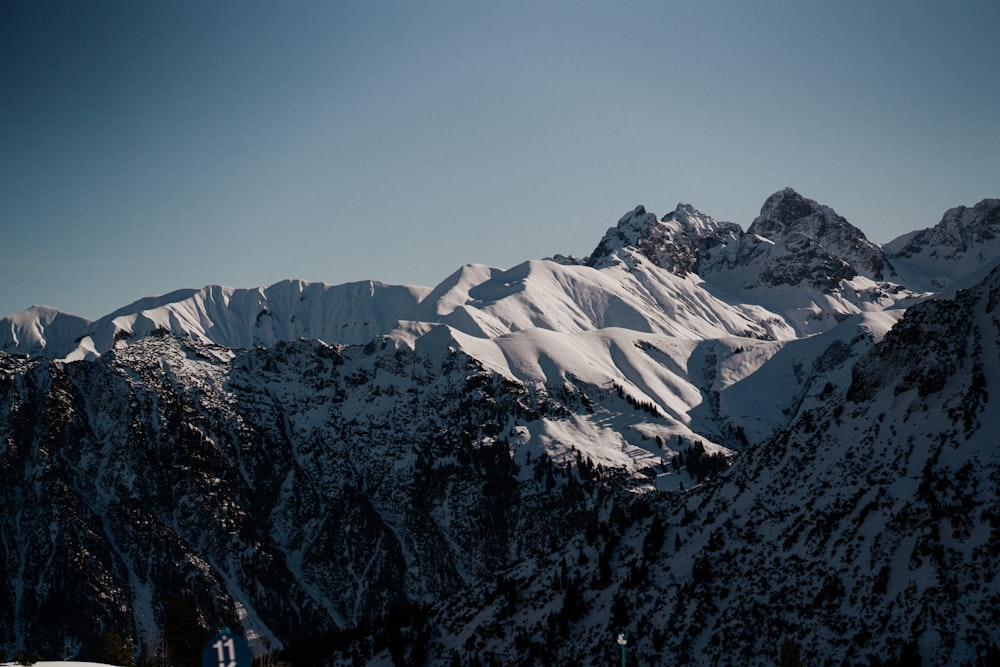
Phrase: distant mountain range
(798, 270)
(723, 441)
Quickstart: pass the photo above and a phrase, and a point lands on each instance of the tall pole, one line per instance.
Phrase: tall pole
(622, 641)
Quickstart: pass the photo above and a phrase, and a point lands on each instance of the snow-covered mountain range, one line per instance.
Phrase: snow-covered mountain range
(867, 532)
(798, 270)
(306, 459)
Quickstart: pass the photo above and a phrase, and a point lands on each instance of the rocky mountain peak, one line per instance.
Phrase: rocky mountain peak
(974, 224)
(786, 212)
(806, 227)
(685, 214)
(787, 207)
(696, 224)
(637, 223)
(632, 228)
(966, 240)
(960, 228)
(677, 242)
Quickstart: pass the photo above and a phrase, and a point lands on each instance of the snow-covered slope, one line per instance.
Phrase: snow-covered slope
(809, 372)
(292, 309)
(480, 301)
(866, 533)
(40, 330)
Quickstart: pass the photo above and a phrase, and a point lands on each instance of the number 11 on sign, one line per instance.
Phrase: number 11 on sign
(225, 648)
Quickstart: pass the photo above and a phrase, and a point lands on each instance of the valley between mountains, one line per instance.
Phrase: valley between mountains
(771, 446)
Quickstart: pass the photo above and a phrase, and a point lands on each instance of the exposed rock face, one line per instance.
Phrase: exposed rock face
(290, 490)
(676, 243)
(819, 245)
(966, 239)
(796, 239)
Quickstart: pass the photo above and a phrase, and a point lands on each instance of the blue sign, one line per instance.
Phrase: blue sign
(226, 650)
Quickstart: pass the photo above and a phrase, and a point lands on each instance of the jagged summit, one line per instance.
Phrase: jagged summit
(631, 230)
(960, 228)
(784, 209)
(807, 228)
(966, 240)
(794, 239)
(677, 242)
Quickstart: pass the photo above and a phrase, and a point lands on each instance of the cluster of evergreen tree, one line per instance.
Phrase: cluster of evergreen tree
(22, 657)
(492, 460)
(182, 637)
(645, 406)
(402, 632)
(699, 464)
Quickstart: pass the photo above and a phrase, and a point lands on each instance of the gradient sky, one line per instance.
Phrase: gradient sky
(151, 146)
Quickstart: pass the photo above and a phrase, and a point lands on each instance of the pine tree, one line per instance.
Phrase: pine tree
(184, 634)
(26, 658)
(989, 656)
(573, 606)
(789, 654)
(909, 656)
(654, 538)
(116, 649)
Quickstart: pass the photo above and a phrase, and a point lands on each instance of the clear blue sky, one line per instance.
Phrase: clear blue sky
(151, 146)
